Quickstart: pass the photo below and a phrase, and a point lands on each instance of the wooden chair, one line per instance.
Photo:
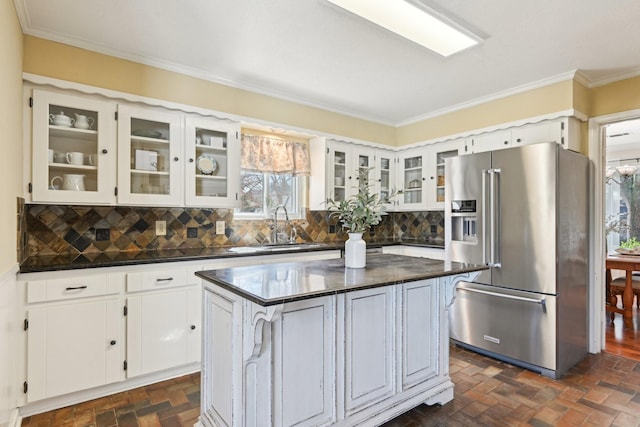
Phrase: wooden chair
(616, 287)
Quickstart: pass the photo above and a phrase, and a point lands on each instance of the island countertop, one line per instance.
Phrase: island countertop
(273, 284)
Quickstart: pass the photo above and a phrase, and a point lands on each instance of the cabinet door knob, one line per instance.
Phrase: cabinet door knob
(105, 151)
(506, 143)
(175, 159)
(431, 177)
(349, 177)
(518, 140)
(424, 179)
(190, 160)
(193, 327)
(113, 342)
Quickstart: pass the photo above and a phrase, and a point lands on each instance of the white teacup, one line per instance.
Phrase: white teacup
(50, 155)
(91, 160)
(59, 157)
(75, 158)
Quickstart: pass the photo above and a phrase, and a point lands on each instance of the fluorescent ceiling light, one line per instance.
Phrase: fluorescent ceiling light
(414, 22)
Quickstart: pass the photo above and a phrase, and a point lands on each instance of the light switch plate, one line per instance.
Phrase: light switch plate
(219, 227)
(161, 228)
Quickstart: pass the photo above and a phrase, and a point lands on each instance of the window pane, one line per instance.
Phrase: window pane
(280, 191)
(252, 192)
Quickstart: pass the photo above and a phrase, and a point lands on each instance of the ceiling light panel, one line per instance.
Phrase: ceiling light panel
(416, 23)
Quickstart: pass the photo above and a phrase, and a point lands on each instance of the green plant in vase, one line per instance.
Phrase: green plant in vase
(357, 214)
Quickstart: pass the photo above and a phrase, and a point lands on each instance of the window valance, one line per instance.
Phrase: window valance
(272, 155)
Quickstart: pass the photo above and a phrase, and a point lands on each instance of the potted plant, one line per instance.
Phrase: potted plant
(356, 214)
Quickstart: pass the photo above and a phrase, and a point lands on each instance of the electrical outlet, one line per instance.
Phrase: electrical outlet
(220, 227)
(161, 228)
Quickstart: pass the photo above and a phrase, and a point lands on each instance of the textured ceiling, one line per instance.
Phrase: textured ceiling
(312, 52)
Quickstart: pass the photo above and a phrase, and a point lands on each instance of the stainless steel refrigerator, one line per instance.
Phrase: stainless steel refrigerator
(524, 212)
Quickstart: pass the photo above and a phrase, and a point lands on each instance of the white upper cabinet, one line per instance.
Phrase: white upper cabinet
(150, 163)
(89, 150)
(412, 178)
(436, 156)
(73, 149)
(334, 170)
(383, 175)
(563, 131)
(212, 173)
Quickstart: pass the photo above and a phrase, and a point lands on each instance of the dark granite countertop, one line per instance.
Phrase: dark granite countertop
(272, 284)
(113, 259)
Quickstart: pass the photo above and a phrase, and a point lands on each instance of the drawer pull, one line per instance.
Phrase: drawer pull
(168, 279)
(75, 288)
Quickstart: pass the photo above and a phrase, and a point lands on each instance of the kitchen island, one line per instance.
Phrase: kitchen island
(314, 343)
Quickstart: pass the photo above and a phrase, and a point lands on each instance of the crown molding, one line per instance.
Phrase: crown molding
(493, 97)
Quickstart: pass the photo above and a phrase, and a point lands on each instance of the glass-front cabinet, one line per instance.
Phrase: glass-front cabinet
(412, 178)
(212, 171)
(383, 175)
(73, 151)
(437, 154)
(345, 162)
(149, 156)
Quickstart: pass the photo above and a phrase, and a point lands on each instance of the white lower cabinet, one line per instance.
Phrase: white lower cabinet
(163, 330)
(90, 334)
(74, 346)
(356, 358)
(370, 347)
(420, 332)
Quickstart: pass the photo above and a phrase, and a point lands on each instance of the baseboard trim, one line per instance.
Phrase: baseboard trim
(58, 402)
(15, 420)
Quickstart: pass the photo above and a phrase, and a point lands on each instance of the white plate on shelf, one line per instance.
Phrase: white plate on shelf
(207, 164)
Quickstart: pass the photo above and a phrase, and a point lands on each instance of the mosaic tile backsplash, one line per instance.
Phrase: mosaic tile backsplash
(60, 229)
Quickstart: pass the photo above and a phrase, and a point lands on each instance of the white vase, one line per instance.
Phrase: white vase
(355, 251)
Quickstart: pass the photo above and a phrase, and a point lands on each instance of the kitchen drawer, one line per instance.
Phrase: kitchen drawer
(69, 288)
(158, 279)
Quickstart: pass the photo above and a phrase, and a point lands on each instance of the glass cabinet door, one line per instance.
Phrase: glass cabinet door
(149, 156)
(384, 173)
(438, 153)
(340, 178)
(413, 179)
(212, 174)
(73, 151)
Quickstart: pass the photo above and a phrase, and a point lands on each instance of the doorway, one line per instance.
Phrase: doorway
(615, 151)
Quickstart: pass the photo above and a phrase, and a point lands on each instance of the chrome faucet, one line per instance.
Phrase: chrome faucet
(275, 232)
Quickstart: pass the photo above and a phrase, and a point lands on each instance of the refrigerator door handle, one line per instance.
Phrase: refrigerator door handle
(485, 237)
(540, 301)
(494, 194)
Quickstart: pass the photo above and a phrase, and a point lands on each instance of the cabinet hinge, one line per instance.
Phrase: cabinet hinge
(327, 150)
(115, 191)
(561, 125)
(25, 387)
(31, 102)
(562, 140)
(26, 324)
(125, 311)
(124, 365)
(30, 187)
(237, 135)
(116, 115)
(236, 196)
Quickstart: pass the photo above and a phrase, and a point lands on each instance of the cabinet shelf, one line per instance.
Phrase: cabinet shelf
(69, 167)
(211, 177)
(211, 148)
(71, 133)
(144, 172)
(149, 140)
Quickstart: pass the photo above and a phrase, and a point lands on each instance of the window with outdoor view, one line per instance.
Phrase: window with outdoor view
(272, 173)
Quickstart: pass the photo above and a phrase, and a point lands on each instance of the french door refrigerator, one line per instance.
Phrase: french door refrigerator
(523, 212)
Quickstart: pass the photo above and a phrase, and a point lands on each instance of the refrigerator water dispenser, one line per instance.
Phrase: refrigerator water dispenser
(463, 221)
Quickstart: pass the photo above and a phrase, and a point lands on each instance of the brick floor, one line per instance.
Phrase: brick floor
(602, 390)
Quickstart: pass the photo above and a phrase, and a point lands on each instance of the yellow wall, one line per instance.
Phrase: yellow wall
(11, 125)
(536, 102)
(64, 62)
(616, 97)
